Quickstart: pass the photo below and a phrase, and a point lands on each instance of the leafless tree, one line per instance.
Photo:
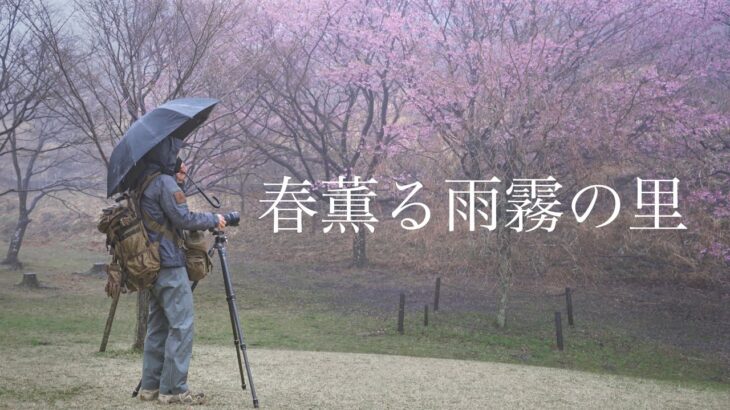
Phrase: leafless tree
(33, 138)
(122, 58)
(41, 152)
(129, 56)
(24, 79)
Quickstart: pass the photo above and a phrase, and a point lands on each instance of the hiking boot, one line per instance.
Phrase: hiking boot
(183, 398)
(149, 395)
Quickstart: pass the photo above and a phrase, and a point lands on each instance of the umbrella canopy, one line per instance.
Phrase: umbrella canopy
(173, 119)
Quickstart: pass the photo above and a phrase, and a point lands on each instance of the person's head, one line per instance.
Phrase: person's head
(163, 157)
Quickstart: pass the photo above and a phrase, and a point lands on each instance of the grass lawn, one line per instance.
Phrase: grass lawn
(72, 311)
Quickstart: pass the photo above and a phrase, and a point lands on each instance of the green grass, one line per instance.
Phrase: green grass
(291, 317)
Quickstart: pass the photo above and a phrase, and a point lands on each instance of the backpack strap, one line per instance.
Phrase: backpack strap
(166, 230)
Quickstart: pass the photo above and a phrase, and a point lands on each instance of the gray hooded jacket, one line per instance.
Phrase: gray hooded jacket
(165, 203)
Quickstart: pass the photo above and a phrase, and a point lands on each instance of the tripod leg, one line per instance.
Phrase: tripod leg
(235, 324)
(136, 389)
(109, 321)
(237, 344)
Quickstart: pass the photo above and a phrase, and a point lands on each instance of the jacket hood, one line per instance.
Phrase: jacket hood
(163, 157)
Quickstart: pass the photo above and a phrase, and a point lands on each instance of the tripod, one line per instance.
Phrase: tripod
(220, 246)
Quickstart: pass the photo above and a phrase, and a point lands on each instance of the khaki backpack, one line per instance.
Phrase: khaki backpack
(135, 258)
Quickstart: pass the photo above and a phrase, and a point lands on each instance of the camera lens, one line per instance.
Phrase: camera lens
(232, 218)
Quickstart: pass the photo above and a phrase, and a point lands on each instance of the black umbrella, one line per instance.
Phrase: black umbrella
(174, 119)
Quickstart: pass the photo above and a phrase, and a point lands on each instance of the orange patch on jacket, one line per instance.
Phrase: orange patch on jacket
(179, 197)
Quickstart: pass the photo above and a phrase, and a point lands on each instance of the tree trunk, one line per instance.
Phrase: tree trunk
(503, 299)
(16, 241)
(504, 273)
(359, 254)
(316, 218)
(143, 303)
(241, 194)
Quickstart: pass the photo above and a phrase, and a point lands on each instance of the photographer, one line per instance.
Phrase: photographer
(169, 341)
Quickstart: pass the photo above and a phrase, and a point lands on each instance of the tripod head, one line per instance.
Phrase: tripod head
(219, 241)
(232, 219)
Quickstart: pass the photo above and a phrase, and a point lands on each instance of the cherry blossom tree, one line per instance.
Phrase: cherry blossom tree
(529, 89)
(330, 99)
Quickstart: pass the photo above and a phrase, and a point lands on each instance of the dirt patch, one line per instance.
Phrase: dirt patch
(74, 376)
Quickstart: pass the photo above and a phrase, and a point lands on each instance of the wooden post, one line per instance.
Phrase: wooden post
(401, 312)
(569, 305)
(109, 321)
(437, 294)
(425, 315)
(559, 331)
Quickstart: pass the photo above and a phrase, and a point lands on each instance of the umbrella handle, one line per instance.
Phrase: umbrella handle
(214, 202)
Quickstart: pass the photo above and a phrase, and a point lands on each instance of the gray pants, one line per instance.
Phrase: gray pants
(169, 343)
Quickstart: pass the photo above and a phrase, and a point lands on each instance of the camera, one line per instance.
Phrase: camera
(232, 218)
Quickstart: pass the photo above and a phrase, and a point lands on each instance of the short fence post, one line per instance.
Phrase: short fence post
(425, 315)
(559, 331)
(569, 305)
(401, 312)
(437, 294)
